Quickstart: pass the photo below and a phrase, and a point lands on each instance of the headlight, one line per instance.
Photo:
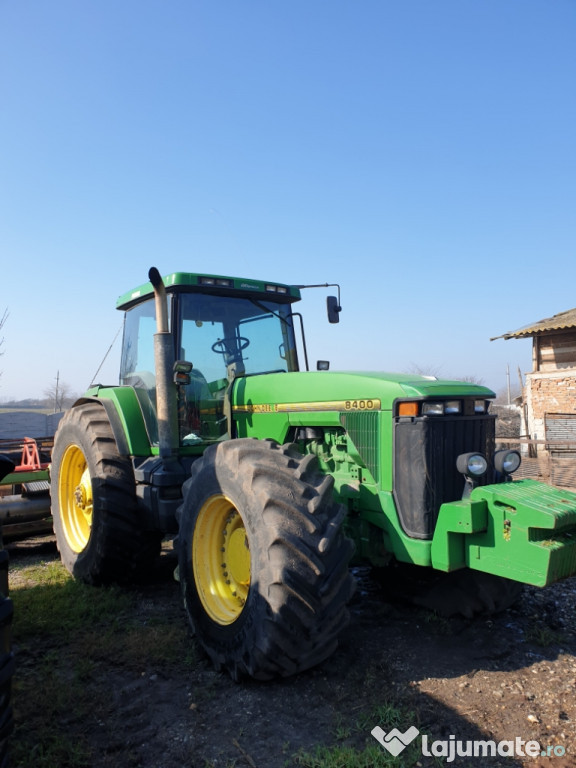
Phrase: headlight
(432, 409)
(441, 407)
(507, 462)
(472, 464)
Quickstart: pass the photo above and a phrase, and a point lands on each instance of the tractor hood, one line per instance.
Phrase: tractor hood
(341, 390)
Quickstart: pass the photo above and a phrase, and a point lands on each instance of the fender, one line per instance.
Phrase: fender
(126, 418)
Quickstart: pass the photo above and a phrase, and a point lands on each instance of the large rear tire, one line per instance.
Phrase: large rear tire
(263, 561)
(94, 505)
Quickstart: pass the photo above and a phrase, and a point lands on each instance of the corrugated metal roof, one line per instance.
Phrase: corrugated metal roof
(557, 322)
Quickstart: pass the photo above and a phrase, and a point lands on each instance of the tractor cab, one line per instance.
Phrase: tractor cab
(221, 328)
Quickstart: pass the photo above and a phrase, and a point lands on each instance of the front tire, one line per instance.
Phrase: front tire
(262, 559)
(94, 505)
(466, 592)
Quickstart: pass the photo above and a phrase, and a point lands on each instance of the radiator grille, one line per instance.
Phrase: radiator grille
(425, 474)
(364, 431)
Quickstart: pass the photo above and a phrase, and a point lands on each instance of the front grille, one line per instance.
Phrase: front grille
(425, 474)
(364, 431)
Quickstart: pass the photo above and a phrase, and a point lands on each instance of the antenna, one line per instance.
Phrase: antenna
(105, 356)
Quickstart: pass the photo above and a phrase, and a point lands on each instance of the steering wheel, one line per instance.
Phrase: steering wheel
(230, 345)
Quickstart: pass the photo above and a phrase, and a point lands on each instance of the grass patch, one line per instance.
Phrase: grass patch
(348, 757)
(355, 750)
(48, 703)
(72, 643)
(47, 601)
(138, 645)
(542, 635)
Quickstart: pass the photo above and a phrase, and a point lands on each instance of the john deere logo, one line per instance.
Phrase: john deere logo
(395, 741)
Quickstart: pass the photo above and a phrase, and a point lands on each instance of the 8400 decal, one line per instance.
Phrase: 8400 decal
(362, 405)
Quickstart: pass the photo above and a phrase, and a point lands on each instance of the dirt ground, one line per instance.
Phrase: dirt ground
(508, 677)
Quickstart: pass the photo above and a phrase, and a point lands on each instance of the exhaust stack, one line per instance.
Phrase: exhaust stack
(166, 405)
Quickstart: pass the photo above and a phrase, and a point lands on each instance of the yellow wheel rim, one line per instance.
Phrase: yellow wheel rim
(221, 560)
(75, 498)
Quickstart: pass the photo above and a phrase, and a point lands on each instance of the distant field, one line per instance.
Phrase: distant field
(31, 408)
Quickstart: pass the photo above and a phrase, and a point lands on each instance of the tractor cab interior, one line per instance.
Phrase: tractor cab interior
(223, 337)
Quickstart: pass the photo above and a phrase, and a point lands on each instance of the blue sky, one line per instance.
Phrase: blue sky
(420, 153)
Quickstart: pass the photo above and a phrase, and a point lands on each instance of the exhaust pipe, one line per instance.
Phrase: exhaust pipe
(166, 405)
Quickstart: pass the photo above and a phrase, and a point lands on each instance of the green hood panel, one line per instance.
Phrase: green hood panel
(335, 390)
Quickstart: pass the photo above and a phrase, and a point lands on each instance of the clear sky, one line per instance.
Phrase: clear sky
(420, 153)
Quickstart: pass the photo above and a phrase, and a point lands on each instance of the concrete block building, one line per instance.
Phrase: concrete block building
(549, 397)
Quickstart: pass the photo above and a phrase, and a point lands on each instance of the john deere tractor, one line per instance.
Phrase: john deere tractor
(273, 481)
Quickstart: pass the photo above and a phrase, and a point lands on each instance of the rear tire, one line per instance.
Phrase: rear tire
(263, 561)
(94, 505)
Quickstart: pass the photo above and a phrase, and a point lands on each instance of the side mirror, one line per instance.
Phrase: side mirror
(323, 365)
(333, 309)
(182, 370)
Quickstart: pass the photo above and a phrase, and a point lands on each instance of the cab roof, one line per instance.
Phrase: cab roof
(212, 284)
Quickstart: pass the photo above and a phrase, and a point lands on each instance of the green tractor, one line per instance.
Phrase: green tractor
(274, 481)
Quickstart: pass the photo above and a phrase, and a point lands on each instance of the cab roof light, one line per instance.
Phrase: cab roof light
(221, 282)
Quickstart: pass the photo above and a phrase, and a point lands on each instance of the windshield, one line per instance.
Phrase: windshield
(221, 331)
(225, 337)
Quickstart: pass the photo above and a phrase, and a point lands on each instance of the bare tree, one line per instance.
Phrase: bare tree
(471, 379)
(58, 394)
(503, 394)
(435, 370)
(424, 370)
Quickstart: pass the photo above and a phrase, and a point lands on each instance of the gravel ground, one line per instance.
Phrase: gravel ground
(508, 677)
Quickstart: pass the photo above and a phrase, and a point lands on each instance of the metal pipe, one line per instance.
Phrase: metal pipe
(21, 531)
(166, 403)
(19, 509)
(160, 301)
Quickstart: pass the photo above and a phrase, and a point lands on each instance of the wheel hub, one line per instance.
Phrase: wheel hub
(237, 562)
(221, 560)
(75, 498)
